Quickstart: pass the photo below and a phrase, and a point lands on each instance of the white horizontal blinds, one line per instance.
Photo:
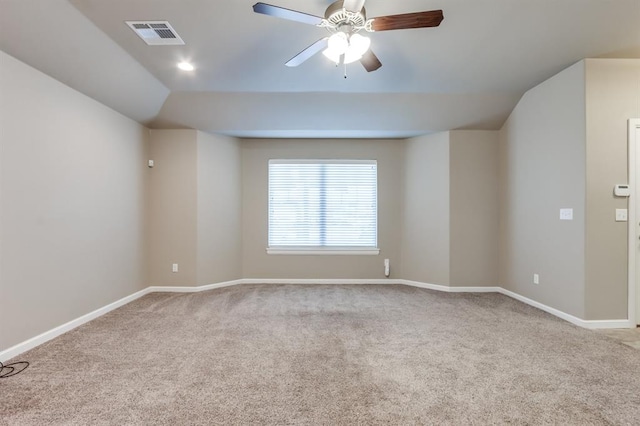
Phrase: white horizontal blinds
(294, 205)
(315, 203)
(350, 205)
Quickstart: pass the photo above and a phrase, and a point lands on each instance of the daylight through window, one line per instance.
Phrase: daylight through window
(322, 205)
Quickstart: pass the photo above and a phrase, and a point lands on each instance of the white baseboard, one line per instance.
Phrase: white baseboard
(196, 289)
(602, 324)
(590, 324)
(450, 289)
(48, 335)
(318, 281)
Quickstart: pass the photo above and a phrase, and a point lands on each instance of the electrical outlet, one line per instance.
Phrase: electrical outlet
(174, 267)
(566, 214)
(536, 279)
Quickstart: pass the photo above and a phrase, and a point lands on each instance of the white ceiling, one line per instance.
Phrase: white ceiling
(468, 73)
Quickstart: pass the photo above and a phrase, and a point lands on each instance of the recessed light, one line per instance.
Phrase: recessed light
(185, 66)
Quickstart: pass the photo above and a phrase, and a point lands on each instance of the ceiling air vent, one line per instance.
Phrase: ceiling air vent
(155, 33)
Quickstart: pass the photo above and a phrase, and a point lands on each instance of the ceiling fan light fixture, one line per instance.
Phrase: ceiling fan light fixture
(338, 43)
(337, 46)
(344, 19)
(185, 66)
(352, 47)
(359, 44)
(351, 56)
(332, 56)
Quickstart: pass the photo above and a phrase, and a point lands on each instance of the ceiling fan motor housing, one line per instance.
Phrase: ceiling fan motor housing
(338, 17)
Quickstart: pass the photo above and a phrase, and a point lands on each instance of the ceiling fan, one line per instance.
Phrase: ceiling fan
(345, 19)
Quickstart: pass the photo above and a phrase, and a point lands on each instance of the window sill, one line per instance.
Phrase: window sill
(327, 251)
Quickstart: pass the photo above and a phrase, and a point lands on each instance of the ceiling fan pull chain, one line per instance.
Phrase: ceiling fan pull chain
(345, 70)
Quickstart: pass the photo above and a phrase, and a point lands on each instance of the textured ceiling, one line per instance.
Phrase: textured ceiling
(467, 73)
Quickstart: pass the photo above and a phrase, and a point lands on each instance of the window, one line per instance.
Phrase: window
(323, 207)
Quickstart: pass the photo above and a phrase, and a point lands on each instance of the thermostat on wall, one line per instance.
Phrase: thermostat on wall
(621, 190)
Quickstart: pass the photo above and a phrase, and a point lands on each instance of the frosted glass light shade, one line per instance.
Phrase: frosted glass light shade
(185, 66)
(351, 56)
(337, 46)
(359, 44)
(352, 47)
(338, 43)
(333, 56)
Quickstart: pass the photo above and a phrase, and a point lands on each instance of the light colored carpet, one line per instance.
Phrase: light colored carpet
(326, 354)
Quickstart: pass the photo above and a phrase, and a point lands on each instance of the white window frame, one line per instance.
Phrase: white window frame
(320, 250)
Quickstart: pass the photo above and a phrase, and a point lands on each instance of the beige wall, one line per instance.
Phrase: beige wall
(219, 209)
(173, 213)
(195, 208)
(542, 169)
(474, 208)
(612, 97)
(425, 232)
(258, 264)
(450, 219)
(72, 204)
(565, 145)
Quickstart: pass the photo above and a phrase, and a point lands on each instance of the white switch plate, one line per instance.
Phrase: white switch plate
(566, 214)
(621, 215)
(536, 279)
(174, 267)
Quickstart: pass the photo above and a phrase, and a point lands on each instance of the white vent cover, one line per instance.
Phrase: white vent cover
(155, 33)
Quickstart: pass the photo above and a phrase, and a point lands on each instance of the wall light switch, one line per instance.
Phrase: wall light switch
(174, 267)
(566, 214)
(621, 215)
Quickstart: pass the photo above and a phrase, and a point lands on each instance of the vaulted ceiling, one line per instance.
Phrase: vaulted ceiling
(468, 73)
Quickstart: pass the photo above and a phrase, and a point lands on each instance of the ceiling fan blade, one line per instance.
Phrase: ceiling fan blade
(353, 5)
(281, 12)
(430, 18)
(316, 47)
(370, 61)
